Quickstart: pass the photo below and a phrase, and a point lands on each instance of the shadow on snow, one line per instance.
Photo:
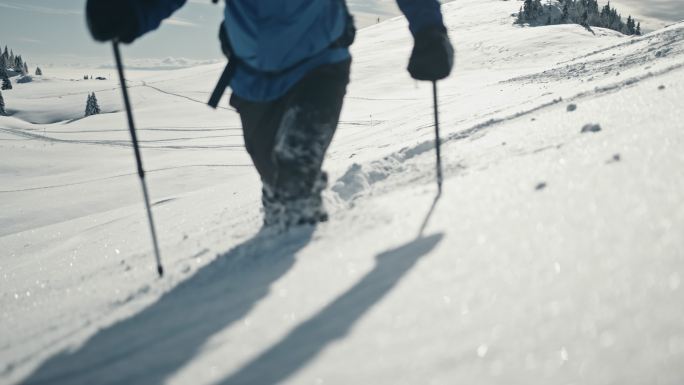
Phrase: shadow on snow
(153, 345)
(333, 322)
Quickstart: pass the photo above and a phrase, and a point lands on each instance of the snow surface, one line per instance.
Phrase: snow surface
(553, 257)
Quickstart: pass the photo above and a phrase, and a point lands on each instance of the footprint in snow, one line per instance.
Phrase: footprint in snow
(571, 107)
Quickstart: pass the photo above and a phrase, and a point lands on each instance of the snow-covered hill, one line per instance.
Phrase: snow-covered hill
(553, 256)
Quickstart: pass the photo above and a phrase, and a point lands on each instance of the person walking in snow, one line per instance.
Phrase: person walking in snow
(289, 66)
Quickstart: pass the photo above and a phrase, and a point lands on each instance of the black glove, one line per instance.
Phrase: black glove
(432, 56)
(112, 19)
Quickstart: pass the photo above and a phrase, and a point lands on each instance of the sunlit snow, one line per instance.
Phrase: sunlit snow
(554, 256)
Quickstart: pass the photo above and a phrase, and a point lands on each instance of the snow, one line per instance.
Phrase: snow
(553, 255)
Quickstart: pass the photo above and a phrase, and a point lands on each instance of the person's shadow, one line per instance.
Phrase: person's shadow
(153, 345)
(333, 322)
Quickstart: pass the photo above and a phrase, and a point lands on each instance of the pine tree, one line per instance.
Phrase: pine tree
(92, 107)
(631, 25)
(638, 29)
(26, 70)
(6, 83)
(593, 7)
(19, 64)
(566, 11)
(538, 9)
(526, 14)
(527, 9)
(530, 11)
(2, 106)
(39, 72)
(96, 106)
(89, 105)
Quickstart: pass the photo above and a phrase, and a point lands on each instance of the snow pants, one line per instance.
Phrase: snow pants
(287, 140)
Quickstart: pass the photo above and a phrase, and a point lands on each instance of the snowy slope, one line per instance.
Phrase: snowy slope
(554, 256)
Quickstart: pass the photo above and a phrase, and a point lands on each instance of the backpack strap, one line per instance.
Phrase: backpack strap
(228, 72)
(223, 83)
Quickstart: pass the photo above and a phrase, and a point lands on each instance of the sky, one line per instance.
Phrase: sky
(53, 32)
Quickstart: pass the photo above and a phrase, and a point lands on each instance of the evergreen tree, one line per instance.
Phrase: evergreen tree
(2, 106)
(6, 83)
(527, 9)
(39, 72)
(631, 25)
(530, 11)
(96, 105)
(638, 29)
(26, 70)
(593, 7)
(92, 107)
(605, 12)
(617, 22)
(537, 8)
(525, 13)
(18, 64)
(89, 105)
(566, 12)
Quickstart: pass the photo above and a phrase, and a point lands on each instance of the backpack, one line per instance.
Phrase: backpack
(268, 50)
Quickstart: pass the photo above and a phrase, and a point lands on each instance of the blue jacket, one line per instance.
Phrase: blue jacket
(279, 41)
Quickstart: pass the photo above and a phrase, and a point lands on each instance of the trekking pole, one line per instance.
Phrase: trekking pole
(138, 158)
(438, 142)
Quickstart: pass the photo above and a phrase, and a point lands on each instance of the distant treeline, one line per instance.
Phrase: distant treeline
(583, 12)
(10, 61)
(11, 65)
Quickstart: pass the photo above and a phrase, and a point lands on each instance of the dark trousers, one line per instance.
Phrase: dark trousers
(287, 138)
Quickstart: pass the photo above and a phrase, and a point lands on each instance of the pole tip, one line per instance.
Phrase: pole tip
(160, 271)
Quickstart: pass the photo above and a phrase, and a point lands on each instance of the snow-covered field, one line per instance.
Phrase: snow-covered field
(553, 257)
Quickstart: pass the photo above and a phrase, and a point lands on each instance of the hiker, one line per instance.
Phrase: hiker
(288, 69)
